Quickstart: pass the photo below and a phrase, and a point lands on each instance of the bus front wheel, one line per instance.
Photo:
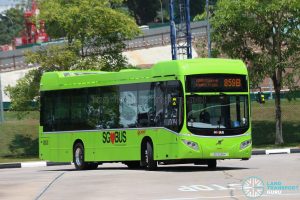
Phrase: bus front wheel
(151, 164)
(78, 157)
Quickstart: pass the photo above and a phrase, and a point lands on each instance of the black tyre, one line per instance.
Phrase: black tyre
(78, 157)
(133, 164)
(151, 164)
(212, 164)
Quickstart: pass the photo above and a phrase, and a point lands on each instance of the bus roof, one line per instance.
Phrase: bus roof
(167, 70)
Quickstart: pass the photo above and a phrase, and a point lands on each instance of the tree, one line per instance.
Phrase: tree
(98, 28)
(202, 12)
(144, 11)
(265, 33)
(95, 39)
(196, 7)
(11, 23)
(26, 91)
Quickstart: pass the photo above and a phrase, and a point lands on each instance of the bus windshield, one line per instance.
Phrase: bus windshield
(217, 114)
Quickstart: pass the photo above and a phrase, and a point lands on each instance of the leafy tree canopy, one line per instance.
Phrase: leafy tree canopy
(265, 33)
(91, 22)
(144, 11)
(11, 24)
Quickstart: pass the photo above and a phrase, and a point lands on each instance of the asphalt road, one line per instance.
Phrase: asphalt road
(176, 182)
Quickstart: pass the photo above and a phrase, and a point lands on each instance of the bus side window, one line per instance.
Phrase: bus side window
(109, 107)
(159, 90)
(47, 111)
(128, 106)
(145, 107)
(173, 106)
(78, 119)
(62, 110)
(93, 109)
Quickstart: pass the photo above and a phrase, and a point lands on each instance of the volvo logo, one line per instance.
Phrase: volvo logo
(219, 142)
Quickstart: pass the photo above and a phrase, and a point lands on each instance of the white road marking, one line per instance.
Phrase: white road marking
(195, 188)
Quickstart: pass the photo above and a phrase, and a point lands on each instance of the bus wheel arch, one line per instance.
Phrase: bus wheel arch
(147, 154)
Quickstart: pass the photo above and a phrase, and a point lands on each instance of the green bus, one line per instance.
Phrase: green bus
(185, 111)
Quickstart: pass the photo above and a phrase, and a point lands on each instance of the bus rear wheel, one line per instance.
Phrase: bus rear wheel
(78, 157)
(151, 164)
(212, 163)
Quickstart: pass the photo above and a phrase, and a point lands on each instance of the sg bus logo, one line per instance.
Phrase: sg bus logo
(114, 137)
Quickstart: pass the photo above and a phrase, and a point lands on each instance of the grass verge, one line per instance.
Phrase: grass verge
(18, 138)
(263, 124)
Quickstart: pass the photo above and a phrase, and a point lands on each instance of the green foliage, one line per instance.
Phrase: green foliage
(91, 25)
(24, 92)
(144, 11)
(91, 22)
(24, 145)
(196, 7)
(266, 35)
(54, 58)
(200, 17)
(18, 133)
(11, 23)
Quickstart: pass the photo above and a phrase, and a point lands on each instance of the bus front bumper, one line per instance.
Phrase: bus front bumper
(197, 147)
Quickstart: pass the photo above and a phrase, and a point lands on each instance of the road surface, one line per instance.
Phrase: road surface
(172, 182)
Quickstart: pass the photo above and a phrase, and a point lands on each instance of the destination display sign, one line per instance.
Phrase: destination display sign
(216, 83)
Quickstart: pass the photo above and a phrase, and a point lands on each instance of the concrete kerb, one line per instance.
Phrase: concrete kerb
(275, 151)
(47, 164)
(32, 164)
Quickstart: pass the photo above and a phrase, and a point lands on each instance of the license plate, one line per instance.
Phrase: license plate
(218, 154)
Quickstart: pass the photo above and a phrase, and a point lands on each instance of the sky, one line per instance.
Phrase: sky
(6, 4)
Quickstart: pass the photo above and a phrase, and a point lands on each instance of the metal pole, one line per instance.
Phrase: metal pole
(1, 103)
(172, 31)
(208, 29)
(188, 29)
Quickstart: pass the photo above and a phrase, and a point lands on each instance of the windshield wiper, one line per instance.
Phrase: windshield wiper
(195, 94)
(219, 122)
(223, 94)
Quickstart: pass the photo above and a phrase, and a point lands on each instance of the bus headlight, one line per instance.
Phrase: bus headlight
(245, 144)
(191, 144)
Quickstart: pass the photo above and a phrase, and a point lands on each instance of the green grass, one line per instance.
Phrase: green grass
(18, 159)
(19, 133)
(15, 133)
(263, 124)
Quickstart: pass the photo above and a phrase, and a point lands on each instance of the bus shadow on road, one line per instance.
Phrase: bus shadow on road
(168, 168)
(196, 168)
